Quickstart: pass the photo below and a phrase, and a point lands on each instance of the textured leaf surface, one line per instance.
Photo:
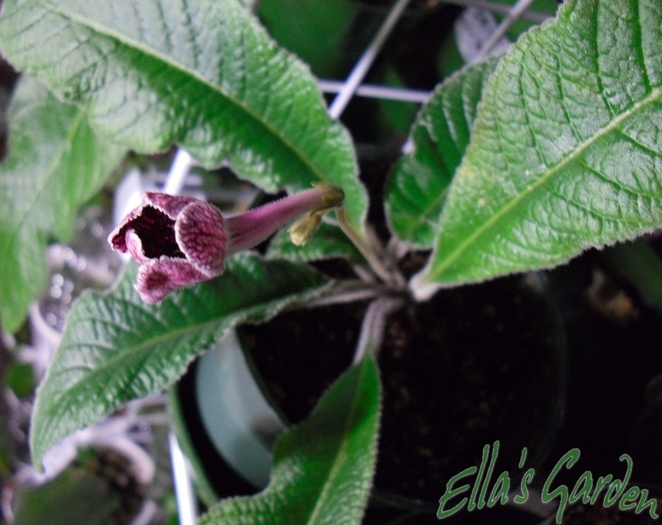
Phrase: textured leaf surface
(566, 149)
(440, 136)
(116, 348)
(323, 468)
(46, 176)
(201, 73)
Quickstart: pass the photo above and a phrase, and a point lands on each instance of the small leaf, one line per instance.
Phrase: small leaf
(202, 73)
(323, 468)
(75, 496)
(327, 242)
(116, 348)
(640, 265)
(55, 164)
(440, 135)
(566, 149)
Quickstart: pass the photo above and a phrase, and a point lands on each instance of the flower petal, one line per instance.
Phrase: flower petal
(135, 246)
(201, 236)
(157, 278)
(117, 237)
(171, 205)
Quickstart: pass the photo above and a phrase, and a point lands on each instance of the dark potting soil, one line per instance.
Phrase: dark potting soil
(120, 475)
(471, 366)
(300, 354)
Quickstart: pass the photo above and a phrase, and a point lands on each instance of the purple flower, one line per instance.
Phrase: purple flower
(180, 241)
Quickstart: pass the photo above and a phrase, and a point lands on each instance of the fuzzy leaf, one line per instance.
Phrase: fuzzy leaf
(323, 468)
(440, 136)
(46, 176)
(566, 151)
(116, 348)
(202, 73)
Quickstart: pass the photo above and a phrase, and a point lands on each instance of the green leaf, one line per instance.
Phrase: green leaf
(316, 30)
(440, 136)
(116, 348)
(202, 73)
(639, 264)
(323, 468)
(327, 242)
(55, 164)
(566, 148)
(75, 496)
(399, 114)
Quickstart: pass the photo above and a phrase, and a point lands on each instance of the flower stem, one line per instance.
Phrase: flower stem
(251, 228)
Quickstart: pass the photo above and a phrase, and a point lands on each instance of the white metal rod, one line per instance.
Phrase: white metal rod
(513, 14)
(375, 91)
(363, 65)
(181, 165)
(502, 9)
(186, 503)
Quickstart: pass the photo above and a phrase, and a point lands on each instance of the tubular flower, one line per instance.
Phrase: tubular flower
(179, 241)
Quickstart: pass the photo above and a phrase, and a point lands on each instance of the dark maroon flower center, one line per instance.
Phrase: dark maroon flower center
(157, 233)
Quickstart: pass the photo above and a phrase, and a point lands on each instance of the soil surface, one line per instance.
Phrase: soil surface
(471, 366)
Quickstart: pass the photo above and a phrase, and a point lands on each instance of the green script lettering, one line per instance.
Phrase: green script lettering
(481, 471)
(526, 479)
(499, 492)
(602, 481)
(561, 492)
(630, 496)
(451, 493)
(582, 489)
(618, 485)
(488, 476)
(643, 504)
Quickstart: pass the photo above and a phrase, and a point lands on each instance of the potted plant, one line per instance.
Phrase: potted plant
(518, 163)
(440, 405)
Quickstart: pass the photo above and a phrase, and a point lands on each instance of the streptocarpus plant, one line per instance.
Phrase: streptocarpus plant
(519, 163)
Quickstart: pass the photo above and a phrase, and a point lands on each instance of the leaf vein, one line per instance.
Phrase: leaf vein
(551, 172)
(149, 51)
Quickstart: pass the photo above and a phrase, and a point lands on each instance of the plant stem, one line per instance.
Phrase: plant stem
(374, 322)
(348, 292)
(365, 248)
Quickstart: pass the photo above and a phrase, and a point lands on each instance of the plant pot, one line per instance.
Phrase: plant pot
(461, 388)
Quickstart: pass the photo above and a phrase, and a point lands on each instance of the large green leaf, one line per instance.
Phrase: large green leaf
(201, 73)
(323, 468)
(116, 348)
(566, 148)
(440, 136)
(46, 176)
